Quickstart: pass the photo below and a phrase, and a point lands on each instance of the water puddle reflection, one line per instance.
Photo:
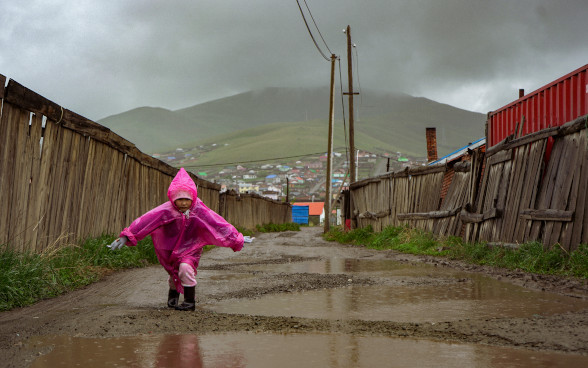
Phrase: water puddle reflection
(292, 350)
(408, 293)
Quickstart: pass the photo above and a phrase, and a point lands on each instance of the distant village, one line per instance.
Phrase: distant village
(296, 180)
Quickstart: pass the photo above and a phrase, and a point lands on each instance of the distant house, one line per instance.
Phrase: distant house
(316, 211)
(315, 165)
(272, 194)
(246, 187)
(272, 179)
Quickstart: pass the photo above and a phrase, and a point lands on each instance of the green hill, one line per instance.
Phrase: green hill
(277, 122)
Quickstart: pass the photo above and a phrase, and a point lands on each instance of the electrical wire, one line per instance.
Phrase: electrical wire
(317, 28)
(310, 32)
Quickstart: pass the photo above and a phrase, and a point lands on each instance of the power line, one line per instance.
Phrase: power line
(317, 28)
(309, 32)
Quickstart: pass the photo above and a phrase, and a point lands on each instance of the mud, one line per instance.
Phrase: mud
(132, 303)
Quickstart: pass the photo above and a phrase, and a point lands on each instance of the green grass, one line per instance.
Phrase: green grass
(272, 228)
(529, 257)
(28, 277)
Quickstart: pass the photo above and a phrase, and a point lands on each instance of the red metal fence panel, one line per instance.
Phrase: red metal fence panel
(554, 104)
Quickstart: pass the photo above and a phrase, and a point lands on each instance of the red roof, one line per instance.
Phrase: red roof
(314, 208)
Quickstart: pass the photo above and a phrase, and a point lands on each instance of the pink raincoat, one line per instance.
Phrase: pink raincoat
(179, 237)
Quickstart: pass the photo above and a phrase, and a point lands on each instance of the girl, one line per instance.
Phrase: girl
(180, 228)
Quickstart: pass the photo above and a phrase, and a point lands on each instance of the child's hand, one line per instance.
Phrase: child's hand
(118, 243)
(248, 239)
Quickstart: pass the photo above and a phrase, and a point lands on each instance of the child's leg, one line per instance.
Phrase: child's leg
(187, 275)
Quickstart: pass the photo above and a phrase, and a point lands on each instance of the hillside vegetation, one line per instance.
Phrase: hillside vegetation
(294, 121)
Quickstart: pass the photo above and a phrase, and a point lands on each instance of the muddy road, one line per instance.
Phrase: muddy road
(293, 290)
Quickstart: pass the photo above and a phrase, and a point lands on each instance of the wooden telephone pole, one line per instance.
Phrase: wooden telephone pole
(351, 93)
(328, 182)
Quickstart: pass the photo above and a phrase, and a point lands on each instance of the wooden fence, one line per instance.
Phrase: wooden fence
(513, 193)
(249, 210)
(64, 178)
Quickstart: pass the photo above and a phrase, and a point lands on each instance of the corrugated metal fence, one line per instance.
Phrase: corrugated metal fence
(65, 178)
(517, 197)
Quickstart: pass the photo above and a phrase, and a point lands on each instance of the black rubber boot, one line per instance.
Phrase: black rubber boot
(189, 303)
(172, 298)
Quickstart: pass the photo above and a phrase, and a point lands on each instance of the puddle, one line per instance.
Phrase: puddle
(345, 265)
(292, 350)
(411, 293)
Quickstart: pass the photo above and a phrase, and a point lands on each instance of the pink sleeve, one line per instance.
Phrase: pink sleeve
(145, 225)
(215, 230)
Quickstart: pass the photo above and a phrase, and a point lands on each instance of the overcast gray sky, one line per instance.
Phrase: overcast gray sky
(100, 58)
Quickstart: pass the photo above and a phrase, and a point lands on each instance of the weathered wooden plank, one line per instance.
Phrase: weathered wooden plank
(547, 186)
(581, 206)
(562, 193)
(373, 215)
(34, 201)
(500, 157)
(20, 182)
(500, 146)
(518, 171)
(503, 190)
(23, 97)
(2, 86)
(462, 166)
(429, 215)
(8, 126)
(573, 126)
(492, 197)
(531, 186)
(49, 152)
(362, 183)
(555, 191)
(572, 199)
(470, 217)
(547, 215)
(533, 137)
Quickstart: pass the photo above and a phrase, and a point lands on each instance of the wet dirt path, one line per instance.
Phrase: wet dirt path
(295, 287)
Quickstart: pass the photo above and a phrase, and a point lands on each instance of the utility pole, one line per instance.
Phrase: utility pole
(350, 93)
(328, 181)
(287, 189)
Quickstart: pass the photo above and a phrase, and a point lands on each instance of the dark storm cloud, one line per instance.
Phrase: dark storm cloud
(101, 58)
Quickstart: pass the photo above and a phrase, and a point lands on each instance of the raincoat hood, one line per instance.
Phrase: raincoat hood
(182, 186)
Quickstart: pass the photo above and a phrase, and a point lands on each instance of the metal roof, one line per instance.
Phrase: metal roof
(460, 152)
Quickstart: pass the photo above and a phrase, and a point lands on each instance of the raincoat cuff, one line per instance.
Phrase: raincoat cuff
(239, 243)
(132, 240)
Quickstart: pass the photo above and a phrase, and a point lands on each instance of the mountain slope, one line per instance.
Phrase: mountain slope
(388, 122)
